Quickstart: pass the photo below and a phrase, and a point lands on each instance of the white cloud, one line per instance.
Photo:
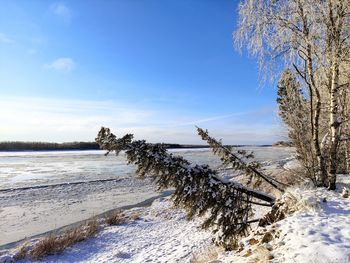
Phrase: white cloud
(214, 118)
(61, 11)
(6, 39)
(61, 64)
(43, 119)
(46, 119)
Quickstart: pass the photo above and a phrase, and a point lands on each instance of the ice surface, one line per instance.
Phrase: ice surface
(26, 169)
(47, 197)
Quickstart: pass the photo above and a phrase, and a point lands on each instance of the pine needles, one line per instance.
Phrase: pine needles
(239, 161)
(226, 205)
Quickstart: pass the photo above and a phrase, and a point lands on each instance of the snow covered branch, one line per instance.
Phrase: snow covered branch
(225, 205)
(236, 160)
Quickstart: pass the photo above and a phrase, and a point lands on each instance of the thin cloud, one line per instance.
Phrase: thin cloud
(61, 64)
(62, 12)
(5, 39)
(215, 118)
(47, 119)
(267, 111)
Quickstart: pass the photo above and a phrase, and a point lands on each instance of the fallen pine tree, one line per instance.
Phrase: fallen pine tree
(225, 205)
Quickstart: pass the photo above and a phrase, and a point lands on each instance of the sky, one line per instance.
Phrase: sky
(155, 68)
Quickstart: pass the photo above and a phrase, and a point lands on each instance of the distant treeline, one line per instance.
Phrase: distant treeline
(50, 146)
(47, 146)
(283, 144)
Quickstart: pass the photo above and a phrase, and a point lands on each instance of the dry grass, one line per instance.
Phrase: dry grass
(115, 218)
(134, 216)
(54, 244)
(295, 199)
(260, 255)
(208, 254)
(118, 218)
(21, 253)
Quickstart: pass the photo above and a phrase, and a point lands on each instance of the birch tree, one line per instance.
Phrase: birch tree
(312, 38)
(336, 17)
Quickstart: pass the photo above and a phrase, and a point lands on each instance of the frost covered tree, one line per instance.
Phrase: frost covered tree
(336, 17)
(225, 205)
(294, 111)
(312, 38)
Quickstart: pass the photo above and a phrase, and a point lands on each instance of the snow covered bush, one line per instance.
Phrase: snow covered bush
(292, 200)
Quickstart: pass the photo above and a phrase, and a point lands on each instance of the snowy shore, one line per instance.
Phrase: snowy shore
(25, 213)
(318, 232)
(40, 209)
(43, 191)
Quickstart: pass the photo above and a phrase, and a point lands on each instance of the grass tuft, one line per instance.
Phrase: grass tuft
(21, 253)
(208, 254)
(115, 218)
(55, 244)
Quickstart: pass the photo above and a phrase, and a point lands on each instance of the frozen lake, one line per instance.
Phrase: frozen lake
(42, 191)
(28, 169)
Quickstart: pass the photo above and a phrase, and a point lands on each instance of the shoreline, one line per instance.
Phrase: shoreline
(32, 211)
(145, 203)
(27, 213)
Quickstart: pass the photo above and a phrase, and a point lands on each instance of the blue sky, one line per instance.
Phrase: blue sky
(152, 68)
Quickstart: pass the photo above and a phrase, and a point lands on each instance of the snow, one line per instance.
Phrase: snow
(318, 232)
(321, 237)
(162, 234)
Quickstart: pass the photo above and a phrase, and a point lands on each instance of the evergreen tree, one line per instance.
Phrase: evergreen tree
(225, 205)
(294, 112)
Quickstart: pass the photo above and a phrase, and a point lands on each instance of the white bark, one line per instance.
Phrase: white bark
(313, 37)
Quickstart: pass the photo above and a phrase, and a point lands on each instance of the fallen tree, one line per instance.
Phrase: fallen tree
(238, 161)
(225, 205)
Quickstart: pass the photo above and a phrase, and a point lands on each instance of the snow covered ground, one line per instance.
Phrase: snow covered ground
(318, 232)
(321, 236)
(159, 234)
(43, 191)
(25, 213)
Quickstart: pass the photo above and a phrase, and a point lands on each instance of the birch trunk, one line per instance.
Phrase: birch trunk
(334, 126)
(347, 156)
(321, 175)
(336, 16)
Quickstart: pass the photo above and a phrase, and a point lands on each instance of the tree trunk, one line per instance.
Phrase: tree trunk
(334, 125)
(321, 173)
(336, 14)
(347, 156)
